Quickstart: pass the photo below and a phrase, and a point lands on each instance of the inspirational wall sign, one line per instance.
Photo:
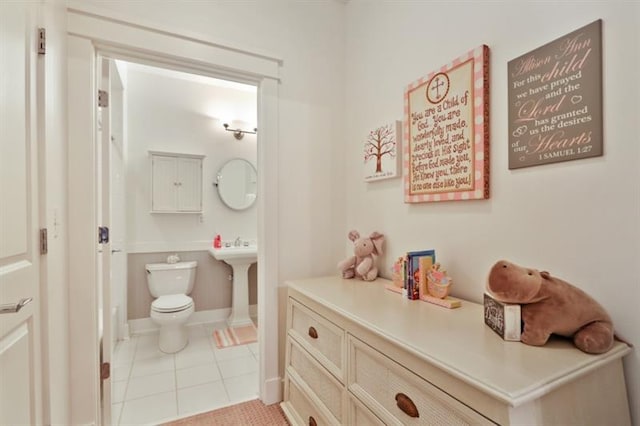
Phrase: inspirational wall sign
(555, 100)
(446, 134)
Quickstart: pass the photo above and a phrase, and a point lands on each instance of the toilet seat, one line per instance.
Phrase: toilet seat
(172, 303)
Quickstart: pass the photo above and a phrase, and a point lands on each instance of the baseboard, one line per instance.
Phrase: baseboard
(146, 325)
(272, 391)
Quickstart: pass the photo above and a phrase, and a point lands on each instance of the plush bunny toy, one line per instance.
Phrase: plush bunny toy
(363, 264)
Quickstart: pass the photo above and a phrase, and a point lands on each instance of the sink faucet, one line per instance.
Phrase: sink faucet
(237, 242)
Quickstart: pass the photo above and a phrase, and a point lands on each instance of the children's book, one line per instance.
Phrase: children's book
(414, 273)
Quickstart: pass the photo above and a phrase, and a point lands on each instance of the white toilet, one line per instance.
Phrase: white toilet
(170, 284)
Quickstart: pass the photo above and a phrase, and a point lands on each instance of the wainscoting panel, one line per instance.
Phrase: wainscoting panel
(212, 288)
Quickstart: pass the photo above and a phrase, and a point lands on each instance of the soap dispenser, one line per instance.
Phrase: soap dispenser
(217, 242)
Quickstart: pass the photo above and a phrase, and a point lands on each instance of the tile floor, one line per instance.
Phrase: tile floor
(150, 387)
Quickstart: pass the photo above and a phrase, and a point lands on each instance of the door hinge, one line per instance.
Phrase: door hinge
(103, 98)
(43, 241)
(105, 371)
(103, 235)
(42, 41)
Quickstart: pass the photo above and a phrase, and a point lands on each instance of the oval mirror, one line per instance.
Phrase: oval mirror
(237, 184)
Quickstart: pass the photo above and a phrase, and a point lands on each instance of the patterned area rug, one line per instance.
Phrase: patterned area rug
(253, 413)
(234, 336)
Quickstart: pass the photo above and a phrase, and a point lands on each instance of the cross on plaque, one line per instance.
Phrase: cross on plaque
(439, 83)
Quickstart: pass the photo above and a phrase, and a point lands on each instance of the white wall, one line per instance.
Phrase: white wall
(309, 37)
(175, 115)
(579, 220)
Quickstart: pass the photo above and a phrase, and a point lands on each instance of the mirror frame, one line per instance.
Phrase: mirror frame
(219, 183)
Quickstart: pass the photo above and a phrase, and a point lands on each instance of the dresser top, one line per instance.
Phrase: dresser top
(456, 340)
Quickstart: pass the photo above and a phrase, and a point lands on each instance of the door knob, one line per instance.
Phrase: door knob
(10, 308)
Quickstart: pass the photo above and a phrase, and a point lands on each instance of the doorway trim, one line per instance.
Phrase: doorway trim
(114, 36)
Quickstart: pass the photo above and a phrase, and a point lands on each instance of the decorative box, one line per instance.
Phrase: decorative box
(503, 318)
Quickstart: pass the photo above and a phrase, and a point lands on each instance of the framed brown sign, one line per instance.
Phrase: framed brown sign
(555, 100)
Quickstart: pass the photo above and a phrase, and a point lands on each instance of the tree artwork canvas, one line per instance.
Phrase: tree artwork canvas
(381, 152)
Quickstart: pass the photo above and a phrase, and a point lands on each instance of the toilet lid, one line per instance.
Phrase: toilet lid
(171, 303)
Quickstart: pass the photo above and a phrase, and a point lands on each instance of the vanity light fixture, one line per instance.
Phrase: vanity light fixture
(239, 134)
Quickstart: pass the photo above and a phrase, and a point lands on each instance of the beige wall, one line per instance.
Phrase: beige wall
(211, 290)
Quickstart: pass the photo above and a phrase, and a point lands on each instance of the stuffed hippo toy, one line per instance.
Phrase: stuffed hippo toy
(366, 251)
(550, 305)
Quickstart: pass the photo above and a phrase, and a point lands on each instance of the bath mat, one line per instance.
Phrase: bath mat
(235, 336)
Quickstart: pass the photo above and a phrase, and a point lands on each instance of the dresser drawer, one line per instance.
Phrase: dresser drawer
(399, 396)
(322, 338)
(299, 407)
(360, 415)
(321, 386)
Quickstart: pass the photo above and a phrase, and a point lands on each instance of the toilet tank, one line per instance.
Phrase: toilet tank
(174, 278)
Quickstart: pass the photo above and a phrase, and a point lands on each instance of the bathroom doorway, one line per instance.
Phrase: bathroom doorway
(161, 110)
(90, 36)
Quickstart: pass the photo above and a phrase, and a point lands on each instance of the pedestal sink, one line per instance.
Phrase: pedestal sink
(240, 258)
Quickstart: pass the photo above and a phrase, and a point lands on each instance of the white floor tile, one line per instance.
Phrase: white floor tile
(116, 410)
(149, 366)
(242, 388)
(191, 358)
(152, 409)
(233, 352)
(148, 350)
(210, 328)
(238, 366)
(198, 375)
(155, 387)
(147, 338)
(199, 340)
(150, 385)
(124, 352)
(121, 372)
(253, 347)
(126, 343)
(118, 390)
(198, 399)
(197, 344)
(196, 331)
(142, 354)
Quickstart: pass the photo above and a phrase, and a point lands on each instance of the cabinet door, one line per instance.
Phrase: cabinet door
(164, 184)
(189, 184)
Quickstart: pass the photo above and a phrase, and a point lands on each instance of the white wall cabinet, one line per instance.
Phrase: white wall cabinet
(357, 353)
(176, 182)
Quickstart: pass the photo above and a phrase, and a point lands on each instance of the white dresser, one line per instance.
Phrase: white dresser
(357, 353)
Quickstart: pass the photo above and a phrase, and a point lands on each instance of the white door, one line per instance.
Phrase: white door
(190, 184)
(104, 247)
(118, 214)
(20, 371)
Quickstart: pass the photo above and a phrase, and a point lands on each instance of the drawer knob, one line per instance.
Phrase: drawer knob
(406, 405)
(312, 421)
(313, 333)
